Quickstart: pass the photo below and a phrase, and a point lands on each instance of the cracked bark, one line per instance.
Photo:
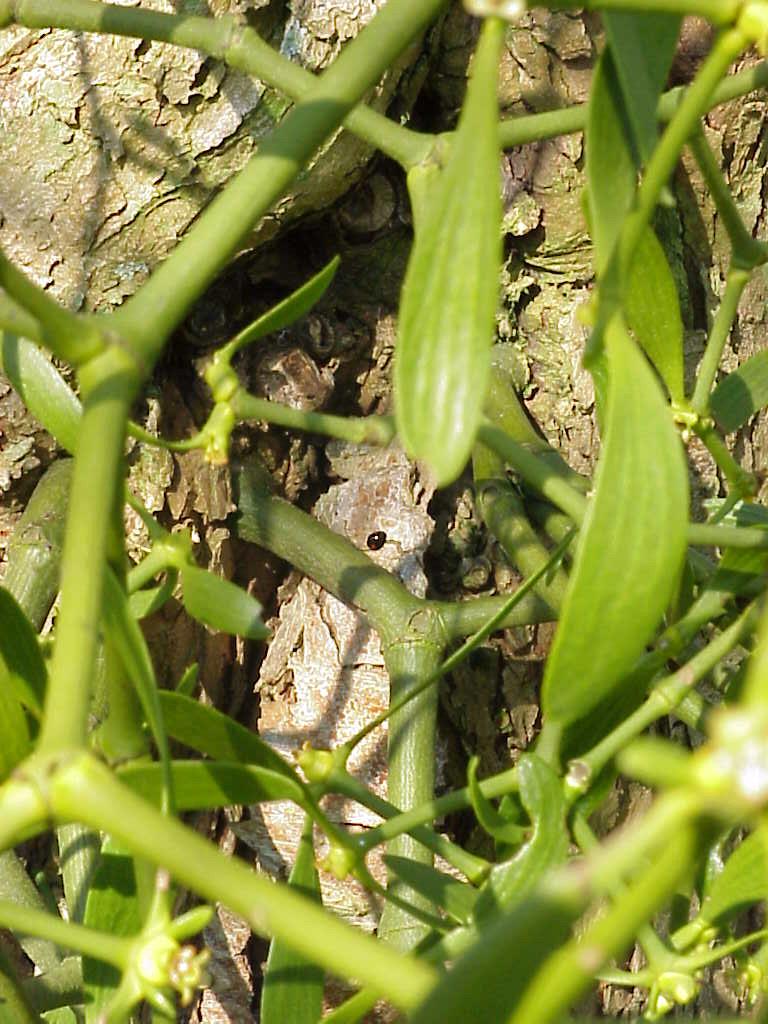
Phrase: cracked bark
(102, 179)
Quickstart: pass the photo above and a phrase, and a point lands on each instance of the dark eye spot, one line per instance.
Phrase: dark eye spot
(376, 540)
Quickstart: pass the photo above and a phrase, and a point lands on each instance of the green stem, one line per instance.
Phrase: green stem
(82, 789)
(546, 477)
(72, 338)
(411, 761)
(549, 124)
(504, 515)
(327, 557)
(566, 973)
(682, 125)
(66, 934)
(355, 429)
(740, 482)
(493, 623)
(748, 252)
(718, 336)
(148, 317)
(727, 536)
(432, 810)
(719, 12)
(473, 867)
(662, 700)
(91, 503)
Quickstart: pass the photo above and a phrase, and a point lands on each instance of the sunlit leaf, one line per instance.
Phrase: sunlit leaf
(125, 635)
(631, 546)
(287, 312)
(448, 307)
(456, 898)
(541, 793)
(611, 162)
(14, 732)
(652, 308)
(42, 388)
(741, 394)
(643, 45)
(220, 604)
(202, 784)
(293, 986)
(113, 907)
(22, 669)
(213, 733)
(742, 882)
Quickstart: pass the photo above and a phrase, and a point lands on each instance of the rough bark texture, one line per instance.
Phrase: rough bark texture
(126, 165)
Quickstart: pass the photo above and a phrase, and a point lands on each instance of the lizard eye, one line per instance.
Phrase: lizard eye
(377, 540)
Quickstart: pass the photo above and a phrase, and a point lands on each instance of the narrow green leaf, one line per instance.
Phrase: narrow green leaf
(222, 605)
(213, 733)
(643, 46)
(541, 792)
(741, 394)
(631, 546)
(145, 602)
(287, 312)
(742, 882)
(495, 824)
(22, 669)
(652, 308)
(456, 898)
(41, 388)
(199, 785)
(112, 907)
(187, 685)
(293, 986)
(15, 741)
(131, 647)
(611, 162)
(448, 307)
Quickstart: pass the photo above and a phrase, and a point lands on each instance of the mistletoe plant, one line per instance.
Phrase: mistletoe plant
(643, 614)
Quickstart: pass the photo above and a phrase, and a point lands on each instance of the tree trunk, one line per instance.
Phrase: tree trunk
(126, 165)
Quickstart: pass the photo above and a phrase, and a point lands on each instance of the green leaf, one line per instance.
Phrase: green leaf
(611, 162)
(541, 792)
(209, 731)
(41, 388)
(631, 546)
(22, 669)
(112, 907)
(222, 605)
(742, 882)
(293, 986)
(15, 742)
(129, 643)
(495, 824)
(643, 46)
(456, 898)
(287, 312)
(652, 308)
(487, 982)
(448, 307)
(741, 394)
(34, 550)
(199, 785)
